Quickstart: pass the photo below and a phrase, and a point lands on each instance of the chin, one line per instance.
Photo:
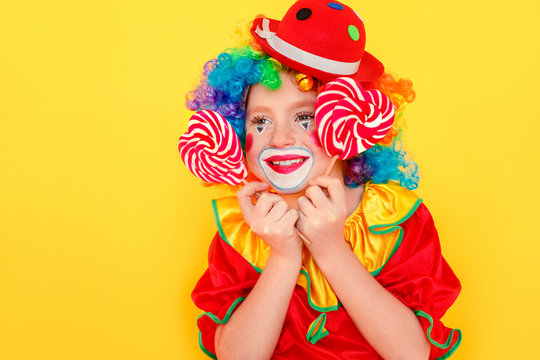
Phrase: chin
(296, 190)
(287, 184)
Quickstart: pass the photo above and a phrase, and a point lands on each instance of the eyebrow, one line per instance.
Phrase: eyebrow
(298, 104)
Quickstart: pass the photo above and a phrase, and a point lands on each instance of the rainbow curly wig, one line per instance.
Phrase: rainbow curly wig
(226, 81)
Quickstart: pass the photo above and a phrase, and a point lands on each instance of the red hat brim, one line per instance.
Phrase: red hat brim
(369, 69)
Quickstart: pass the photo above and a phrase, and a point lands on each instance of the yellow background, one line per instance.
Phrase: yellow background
(103, 233)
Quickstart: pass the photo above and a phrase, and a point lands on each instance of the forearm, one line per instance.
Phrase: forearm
(387, 324)
(254, 329)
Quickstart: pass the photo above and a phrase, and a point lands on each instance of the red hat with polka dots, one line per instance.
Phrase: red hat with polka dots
(319, 38)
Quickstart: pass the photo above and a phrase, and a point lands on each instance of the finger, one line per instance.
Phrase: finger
(333, 185)
(251, 188)
(300, 228)
(277, 211)
(306, 207)
(298, 232)
(303, 237)
(317, 196)
(245, 200)
(264, 204)
(289, 220)
(245, 194)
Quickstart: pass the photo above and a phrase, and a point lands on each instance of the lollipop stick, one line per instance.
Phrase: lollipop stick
(331, 165)
(304, 239)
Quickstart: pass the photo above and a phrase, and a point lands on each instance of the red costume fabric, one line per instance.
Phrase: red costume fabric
(416, 274)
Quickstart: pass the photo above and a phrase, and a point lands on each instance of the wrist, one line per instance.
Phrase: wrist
(332, 254)
(292, 260)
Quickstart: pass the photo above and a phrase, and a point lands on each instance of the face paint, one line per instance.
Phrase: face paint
(249, 141)
(287, 168)
(314, 137)
(287, 154)
(305, 124)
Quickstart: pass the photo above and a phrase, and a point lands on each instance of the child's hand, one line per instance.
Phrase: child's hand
(271, 219)
(323, 213)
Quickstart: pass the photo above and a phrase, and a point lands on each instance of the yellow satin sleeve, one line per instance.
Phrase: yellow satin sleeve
(370, 231)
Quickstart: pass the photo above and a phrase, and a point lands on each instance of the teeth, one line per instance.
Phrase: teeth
(287, 162)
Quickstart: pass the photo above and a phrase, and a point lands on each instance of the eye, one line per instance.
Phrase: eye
(305, 120)
(260, 122)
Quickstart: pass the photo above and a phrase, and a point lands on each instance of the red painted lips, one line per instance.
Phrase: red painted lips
(285, 164)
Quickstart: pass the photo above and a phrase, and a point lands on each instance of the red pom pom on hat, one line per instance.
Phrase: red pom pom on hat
(320, 38)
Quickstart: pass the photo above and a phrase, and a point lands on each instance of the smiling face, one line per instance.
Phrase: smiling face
(282, 146)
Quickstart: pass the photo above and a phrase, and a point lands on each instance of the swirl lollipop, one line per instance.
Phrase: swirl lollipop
(349, 119)
(211, 150)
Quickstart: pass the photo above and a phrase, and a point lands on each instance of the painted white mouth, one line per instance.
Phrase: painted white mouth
(292, 180)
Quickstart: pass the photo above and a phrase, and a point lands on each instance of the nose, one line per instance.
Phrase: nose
(282, 136)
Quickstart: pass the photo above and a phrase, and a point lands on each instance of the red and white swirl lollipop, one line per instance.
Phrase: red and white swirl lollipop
(211, 150)
(350, 119)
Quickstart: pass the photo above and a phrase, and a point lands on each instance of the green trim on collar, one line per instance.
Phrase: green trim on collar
(321, 332)
(259, 270)
(448, 342)
(205, 350)
(313, 306)
(374, 229)
(217, 220)
(222, 233)
(215, 319)
(385, 228)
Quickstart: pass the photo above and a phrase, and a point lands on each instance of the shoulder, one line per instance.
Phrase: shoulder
(388, 204)
(374, 230)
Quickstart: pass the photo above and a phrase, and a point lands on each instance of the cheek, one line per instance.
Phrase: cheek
(314, 137)
(249, 142)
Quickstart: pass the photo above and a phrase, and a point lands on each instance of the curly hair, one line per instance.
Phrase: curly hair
(225, 83)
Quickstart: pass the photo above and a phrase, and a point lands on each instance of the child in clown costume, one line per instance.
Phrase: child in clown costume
(309, 263)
